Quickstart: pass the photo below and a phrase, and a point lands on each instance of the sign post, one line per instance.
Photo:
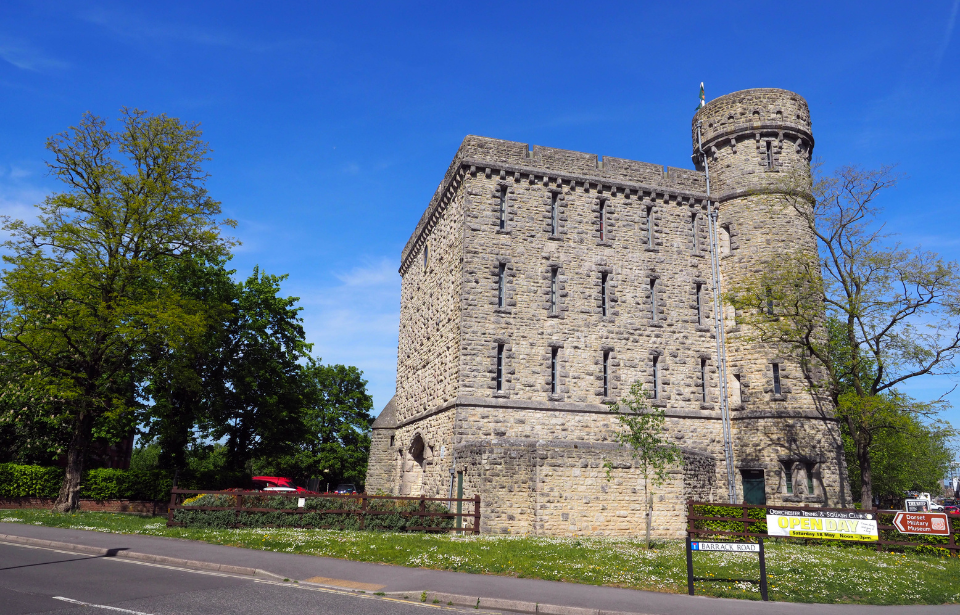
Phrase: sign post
(931, 524)
(727, 547)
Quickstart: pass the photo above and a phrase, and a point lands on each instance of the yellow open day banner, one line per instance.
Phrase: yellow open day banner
(828, 524)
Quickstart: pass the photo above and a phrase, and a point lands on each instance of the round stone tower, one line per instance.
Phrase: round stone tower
(757, 143)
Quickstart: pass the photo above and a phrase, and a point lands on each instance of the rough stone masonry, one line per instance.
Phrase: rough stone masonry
(540, 283)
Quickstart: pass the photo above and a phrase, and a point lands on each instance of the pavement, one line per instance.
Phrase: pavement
(441, 587)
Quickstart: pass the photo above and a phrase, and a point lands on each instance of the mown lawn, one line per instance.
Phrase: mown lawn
(796, 573)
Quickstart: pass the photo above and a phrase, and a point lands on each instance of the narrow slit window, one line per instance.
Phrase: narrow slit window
(553, 290)
(426, 257)
(699, 290)
(606, 373)
(703, 380)
(649, 226)
(553, 370)
(769, 294)
(501, 285)
(653, 298)
(603, 220)
(737, 390)
(503, 206)
(776, 379)
(769, 154)
(603, 294)
(655, 394)
(724, 239)
(809, 473)
(554, 230)
(693, 231)
(499, 367)
(788, 477)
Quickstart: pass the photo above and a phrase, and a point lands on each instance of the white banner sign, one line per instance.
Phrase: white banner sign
(732, 547)
(831, 525)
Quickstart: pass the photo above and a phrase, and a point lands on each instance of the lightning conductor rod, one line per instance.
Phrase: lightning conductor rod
(721, 331)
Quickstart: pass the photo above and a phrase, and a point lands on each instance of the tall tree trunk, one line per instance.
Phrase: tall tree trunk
(69, 496)
(866, 473)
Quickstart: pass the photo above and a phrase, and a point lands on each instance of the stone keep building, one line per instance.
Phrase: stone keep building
(540, 283)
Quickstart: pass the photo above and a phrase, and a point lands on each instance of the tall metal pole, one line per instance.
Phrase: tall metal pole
(721, 332)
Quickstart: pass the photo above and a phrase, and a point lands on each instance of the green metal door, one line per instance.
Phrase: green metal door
(754, 491)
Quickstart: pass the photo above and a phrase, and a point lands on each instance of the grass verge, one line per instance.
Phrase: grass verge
(832, 573)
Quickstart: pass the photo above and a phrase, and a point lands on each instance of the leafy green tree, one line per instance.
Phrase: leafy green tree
(179, 381)
(337, 424)
(862, 314)
(643, 431)
(256, 383)
(86, 289)
(911, 454)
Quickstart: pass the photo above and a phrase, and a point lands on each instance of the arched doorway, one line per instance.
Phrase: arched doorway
(411, 481)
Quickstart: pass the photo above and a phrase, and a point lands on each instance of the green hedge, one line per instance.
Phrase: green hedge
(22, 481)
(395, 520)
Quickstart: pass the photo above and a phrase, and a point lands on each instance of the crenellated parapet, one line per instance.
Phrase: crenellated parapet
(749, 137)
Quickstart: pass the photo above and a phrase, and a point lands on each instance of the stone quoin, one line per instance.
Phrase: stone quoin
(540, 283)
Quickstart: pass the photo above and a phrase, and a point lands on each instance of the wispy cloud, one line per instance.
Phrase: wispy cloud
(355, 322)
(25, 56)
(141, 28)
(951, 22)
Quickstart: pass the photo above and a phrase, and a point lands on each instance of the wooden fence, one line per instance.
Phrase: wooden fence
(888, 535)
(362, 512)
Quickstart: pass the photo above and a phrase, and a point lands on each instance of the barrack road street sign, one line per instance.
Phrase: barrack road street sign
(731, 547)
(932, 524)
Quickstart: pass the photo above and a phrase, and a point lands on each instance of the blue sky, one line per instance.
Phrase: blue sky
(333, 123)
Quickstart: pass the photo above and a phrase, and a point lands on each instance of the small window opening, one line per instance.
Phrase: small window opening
(655, 394)
(696, 235)
(606, 373)
(724, 239)
(703, 380)
(700, 304)
(788, 476)
(603, 294)
(392, 439)
(649, 226)
(810, 478)
(776, 379)
(603, 219)
(499, 367)
(553, 370)
(769, 302)
(426, 256)
(653, 298)
(503, 206)
(737, 390)
(769, 154)
(553, 290)
(554, 230)
(501, 284)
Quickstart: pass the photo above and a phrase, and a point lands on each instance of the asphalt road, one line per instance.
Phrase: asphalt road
(35, 580)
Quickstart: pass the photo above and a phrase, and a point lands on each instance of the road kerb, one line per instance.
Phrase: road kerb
(517, 606)
(141, 557)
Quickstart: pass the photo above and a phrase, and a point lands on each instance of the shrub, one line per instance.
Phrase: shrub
(319, 512)
(24, 481)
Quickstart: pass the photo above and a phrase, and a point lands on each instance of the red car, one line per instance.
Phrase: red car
(278, 484)
(952, 510)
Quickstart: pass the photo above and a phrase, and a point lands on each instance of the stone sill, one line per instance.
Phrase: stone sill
(502, 310)
(554, 238)
(651, 249)
(778, 398)
(702, 329)
(658, 403)
(504, 231)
